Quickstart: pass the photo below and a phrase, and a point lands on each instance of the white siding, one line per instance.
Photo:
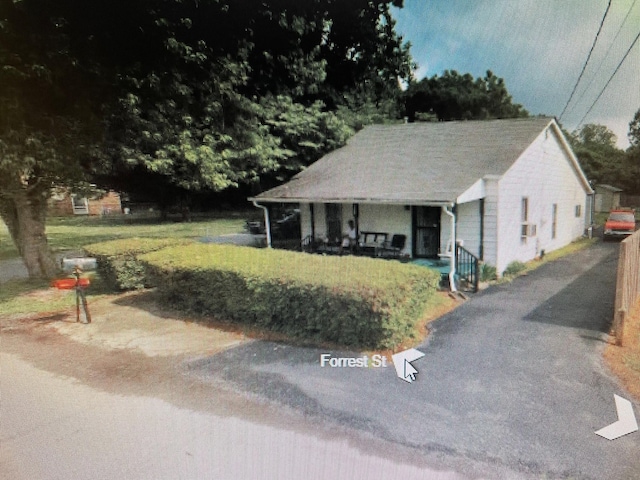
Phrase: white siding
(468, 226)
(392, 219)
(491, 221)
(544, 175)
(305, 219)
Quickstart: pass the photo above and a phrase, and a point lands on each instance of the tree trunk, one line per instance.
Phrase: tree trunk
(25, 215)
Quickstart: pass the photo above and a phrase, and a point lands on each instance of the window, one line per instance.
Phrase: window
(80, 205)
(578, 211)
(525, 228)
(554, 219)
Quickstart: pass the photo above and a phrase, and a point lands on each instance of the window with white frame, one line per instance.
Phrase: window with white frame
(524, 219)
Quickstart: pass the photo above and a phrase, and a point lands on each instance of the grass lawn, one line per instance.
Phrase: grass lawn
(72, 233)
(30, 297)
(551, 256)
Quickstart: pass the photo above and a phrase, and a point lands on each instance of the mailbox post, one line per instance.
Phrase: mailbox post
(80, 297)
(78, 283)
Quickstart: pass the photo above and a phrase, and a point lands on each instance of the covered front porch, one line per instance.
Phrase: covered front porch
(427, 234)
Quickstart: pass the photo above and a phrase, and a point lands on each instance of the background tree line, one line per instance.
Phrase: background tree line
(603, 162)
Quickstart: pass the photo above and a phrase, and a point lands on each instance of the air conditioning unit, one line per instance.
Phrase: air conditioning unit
(528, 230)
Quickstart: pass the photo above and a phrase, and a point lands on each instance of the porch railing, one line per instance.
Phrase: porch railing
(308, 244)
(467, 267)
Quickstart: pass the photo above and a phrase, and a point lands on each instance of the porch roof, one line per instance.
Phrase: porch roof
(417, 164)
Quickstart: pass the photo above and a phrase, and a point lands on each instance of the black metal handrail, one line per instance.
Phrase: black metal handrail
(467, 267)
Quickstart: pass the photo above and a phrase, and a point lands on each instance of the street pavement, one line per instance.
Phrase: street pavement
(511, 381)
(55, 428)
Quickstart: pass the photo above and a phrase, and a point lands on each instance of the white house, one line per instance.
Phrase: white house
(505, 189)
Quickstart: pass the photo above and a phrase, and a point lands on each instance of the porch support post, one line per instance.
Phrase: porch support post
(356, 218)
(452, 273)
(481, 249)
(313, 222)
(267, 223)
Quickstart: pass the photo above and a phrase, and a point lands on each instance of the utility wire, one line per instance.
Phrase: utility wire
(610, 78)
(595, 75)
(584, 67)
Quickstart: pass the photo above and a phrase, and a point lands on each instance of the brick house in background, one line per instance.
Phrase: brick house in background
(64, 203)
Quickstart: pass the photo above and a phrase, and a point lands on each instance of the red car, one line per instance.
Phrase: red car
(620, 223)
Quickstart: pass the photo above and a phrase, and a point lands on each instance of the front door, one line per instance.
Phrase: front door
(426, 232)
(334, 222)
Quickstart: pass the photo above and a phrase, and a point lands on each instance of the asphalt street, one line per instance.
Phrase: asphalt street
(56, 428)
(512, 380)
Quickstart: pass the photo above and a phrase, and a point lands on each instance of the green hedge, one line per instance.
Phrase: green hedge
(347, 300)
(118, 261)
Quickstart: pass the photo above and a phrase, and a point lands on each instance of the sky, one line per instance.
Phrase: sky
(539, 48)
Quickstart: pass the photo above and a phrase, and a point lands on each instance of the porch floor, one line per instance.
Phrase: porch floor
(443, 266)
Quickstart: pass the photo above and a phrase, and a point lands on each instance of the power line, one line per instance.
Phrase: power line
(610, 78)
(595, 75)
(584, 67)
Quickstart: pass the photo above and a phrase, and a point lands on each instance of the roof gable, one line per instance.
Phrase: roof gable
(412, 163)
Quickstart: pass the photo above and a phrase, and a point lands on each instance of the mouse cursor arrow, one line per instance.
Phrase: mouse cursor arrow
(402, 363)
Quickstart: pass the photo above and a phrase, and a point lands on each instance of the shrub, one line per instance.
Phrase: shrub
(347, 300)
(118, 263)
(488, 273)
(514, 268)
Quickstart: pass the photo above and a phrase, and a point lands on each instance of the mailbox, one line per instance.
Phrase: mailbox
(85, 264)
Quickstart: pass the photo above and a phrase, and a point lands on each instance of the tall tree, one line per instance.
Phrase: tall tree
(177, 96)
(632, 157)
(45, 126)
(601, 160)
(634, 130)
(461, 97)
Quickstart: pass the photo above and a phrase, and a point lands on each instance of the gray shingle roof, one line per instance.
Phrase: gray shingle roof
(610, 188)
(412, 163)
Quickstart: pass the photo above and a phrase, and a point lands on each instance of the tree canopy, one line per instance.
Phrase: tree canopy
(453, 96)
(179, 96)
(632, 157)
(602, 161)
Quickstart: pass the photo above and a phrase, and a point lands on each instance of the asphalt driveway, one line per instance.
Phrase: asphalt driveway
(511, 384)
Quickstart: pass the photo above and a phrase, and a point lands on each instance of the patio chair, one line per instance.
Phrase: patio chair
(394, 247)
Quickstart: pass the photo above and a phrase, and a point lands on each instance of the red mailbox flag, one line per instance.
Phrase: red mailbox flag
(70, 283)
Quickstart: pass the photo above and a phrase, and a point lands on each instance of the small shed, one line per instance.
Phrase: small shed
(607, 197)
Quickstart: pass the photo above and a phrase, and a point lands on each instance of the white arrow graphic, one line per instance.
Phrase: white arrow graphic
(626, 421)
(402, 363)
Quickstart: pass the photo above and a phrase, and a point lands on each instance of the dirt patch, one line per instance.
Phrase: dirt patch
(132, 321)
(625, 361)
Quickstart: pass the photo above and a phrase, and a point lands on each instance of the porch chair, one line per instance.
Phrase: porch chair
(394, 247)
